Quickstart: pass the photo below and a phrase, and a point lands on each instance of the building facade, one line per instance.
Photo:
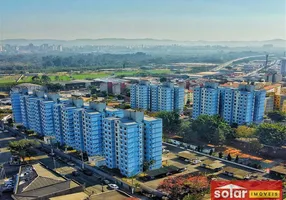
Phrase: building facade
(16, 106)
(163, 97)
(206, 100)
(128, 140)
(242, 105)
(283, 66)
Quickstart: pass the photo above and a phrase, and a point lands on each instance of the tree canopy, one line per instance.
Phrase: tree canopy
(23, 148)
(277, 116)
(171, 121)
(244, 132)
(180, 186)
(212, 129)
(271, 134)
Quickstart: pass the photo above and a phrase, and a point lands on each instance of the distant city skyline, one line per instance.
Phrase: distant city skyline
(182, 20)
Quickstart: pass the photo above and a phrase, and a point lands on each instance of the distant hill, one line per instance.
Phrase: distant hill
(147, 41)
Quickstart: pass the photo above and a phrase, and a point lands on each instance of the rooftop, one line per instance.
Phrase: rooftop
(187, 155)
(148, 118)
(35, 181)
(281, 169)
(128, 121)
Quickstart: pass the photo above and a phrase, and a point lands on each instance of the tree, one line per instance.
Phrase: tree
(229, 158)
(54, 87)
(236, 159)
(148, 164)
(211, 129)
(211, 152)
(163, 79)
(244, 132)
(180, 186)
(45, 79)
(277, 116)
(171, 121)
(36, 79)
(220, 154)
(255, 146)
(272, 134)
(23, 148)
(57, 78)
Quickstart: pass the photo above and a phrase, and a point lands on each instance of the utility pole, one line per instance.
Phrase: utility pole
(82, 161)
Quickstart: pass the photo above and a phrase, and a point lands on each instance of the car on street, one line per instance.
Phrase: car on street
(113, 186)
(106, 182)
(71, 164)
(87, 172)
(75, 173)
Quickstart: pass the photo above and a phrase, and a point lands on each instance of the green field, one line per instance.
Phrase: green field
(9, 79)
(92, 75)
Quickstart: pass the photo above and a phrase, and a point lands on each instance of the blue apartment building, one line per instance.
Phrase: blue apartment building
(162, 97)
(78, 129)
(153, 142)
(16, 106)
(47, 114)
(125, 138)
(132, 140)
(242, 105)
(206, 100)
(24, 113)
(140, 95)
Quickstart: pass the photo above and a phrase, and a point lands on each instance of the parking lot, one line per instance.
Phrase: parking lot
(170, 157)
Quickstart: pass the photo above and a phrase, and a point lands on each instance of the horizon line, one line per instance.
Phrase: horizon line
(175, 40)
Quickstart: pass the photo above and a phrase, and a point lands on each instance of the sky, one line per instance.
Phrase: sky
(184, 20)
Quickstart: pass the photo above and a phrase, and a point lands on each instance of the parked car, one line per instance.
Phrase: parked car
(195, 162)
(75, 173)
(113, 186)
(182, 169)
(71, 164)
(87, 172)
(52, 154)
(106, 182)
(187, 160)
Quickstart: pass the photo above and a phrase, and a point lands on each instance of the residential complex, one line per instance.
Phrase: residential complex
(242, 105)
(283, 66)
(163, 97)
(127, 139)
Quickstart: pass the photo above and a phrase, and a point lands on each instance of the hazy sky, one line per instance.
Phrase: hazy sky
(160, 19)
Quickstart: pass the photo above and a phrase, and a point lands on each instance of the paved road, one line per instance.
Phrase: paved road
(92, 183)
(230, 62)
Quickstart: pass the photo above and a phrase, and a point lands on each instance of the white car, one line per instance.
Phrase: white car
(113, 186)
(71, 164)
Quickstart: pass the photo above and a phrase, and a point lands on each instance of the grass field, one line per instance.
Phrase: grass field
(62, 76)
(9, 79)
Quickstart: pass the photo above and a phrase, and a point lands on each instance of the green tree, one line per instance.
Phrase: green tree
(220, 154)
(271, 134)
(148, 164)
(57, 78)
(212, 129)
(54, 87)
(171, 121)
(255, 146)
(36, 79)
(244, 132)
(45, 79)
(163, 79)
(277, 116)
(23, 148)
(236, 159)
